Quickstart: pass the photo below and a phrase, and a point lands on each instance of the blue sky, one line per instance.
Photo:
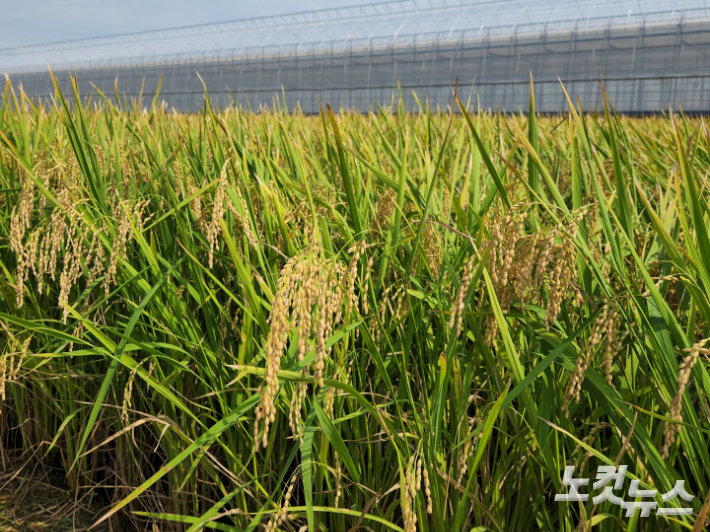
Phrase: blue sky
(42, 21)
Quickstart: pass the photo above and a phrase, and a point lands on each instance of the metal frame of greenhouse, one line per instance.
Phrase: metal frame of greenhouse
(651, 56)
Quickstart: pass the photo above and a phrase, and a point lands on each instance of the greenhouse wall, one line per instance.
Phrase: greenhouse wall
(647, 63)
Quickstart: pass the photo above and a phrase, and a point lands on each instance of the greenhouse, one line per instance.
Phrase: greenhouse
(650, 55)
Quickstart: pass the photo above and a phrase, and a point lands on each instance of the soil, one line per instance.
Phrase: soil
(35, 497)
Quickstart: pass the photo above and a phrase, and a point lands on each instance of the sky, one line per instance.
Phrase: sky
(26, 22)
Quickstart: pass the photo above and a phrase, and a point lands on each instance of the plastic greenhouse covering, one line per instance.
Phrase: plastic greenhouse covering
(651, 55)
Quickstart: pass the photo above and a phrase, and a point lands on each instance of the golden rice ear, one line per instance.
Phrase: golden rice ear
(20, 222)
(604, 332)
(408, 491)
(338, 480)
(128, 394)
(315, 295)
(458, 308)
(214, 228)
(671, 429)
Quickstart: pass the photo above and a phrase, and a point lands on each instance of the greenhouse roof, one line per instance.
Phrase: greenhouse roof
(382, 24)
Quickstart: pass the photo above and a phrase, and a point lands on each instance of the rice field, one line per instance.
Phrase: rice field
(401, 321)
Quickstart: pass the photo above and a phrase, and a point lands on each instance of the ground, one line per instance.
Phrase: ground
(37, 498)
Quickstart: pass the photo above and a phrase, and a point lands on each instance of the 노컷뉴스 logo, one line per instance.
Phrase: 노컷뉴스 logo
(605, 474)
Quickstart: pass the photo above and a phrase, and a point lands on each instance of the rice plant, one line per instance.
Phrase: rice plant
(395, 321)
